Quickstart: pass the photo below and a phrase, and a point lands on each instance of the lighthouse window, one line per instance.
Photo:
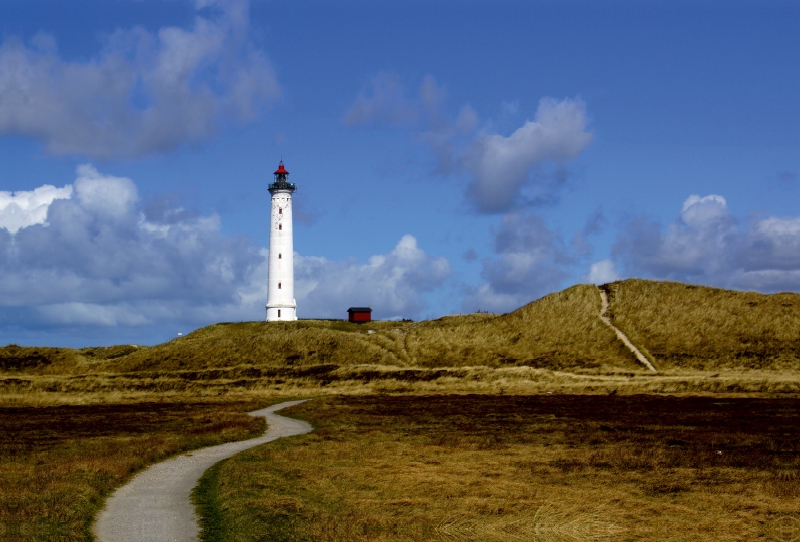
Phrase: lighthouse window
(279, 286)
(280, 226)
(279, 313)
(280, 211)
(280, 256)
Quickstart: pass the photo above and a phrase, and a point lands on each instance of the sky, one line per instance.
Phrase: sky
(450, 155)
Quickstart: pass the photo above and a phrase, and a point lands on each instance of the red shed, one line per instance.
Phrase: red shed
(359, 315)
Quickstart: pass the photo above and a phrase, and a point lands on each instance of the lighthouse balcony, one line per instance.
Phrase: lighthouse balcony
(282, 185)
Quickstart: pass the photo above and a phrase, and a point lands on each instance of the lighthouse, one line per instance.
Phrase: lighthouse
(281, 305)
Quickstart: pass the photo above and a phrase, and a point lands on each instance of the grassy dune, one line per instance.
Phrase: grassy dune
(700, 339)
(559, 331)
(695, 327)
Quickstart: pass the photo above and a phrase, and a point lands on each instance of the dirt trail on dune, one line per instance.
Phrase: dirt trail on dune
(621, 335)
(155, 506)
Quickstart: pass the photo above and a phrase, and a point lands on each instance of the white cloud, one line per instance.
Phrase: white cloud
(104, 194)
(391, 283)
(499, 166)
(708, 245)
(99, 258)
(502, 171)
(602, 272)
(142, 93)
(22, 209)
(697, 211)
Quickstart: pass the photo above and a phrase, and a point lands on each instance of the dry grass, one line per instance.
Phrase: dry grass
(560, 331)
(257, 384)
(751, 342)
(541, 468)
(702, 340)
(541, 346)
(695, 327)
(59, 462)
(401, 474)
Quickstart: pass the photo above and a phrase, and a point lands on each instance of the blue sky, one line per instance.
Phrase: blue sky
(450, 156)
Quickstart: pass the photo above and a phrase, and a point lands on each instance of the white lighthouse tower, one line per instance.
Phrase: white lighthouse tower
(281, 305)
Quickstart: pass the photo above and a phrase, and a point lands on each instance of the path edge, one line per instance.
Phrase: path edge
(94, 524)
(201, 504)
(620, 335)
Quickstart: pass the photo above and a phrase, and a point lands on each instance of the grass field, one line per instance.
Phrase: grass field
(400, 464)
(701, 340)
(59, 462)
(538, 468)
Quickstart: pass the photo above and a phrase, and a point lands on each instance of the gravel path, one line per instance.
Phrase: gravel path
(624, 338)
(155, 506)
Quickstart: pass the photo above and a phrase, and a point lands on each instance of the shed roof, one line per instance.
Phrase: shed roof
(359, 309)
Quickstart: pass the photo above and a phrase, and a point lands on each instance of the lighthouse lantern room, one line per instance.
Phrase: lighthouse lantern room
(281, 305)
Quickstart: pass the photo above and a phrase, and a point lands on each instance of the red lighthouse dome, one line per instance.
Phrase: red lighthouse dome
(281, 180)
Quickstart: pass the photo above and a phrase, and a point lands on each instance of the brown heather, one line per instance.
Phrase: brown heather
(59, 462)
(533, 468)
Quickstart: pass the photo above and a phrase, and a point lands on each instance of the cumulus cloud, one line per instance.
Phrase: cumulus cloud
(143, 93)
(22, 209)
(391, 283)
(708, 245)
(502, 171)
(499, 166)
(530, 260)
(104, 195)
(97, 256)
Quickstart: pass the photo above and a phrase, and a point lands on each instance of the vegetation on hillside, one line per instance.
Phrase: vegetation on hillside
(699, 339)
(559, 331)
(695, 327)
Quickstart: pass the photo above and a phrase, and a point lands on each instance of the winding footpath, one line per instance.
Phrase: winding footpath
(155, 505)
(621, 335)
